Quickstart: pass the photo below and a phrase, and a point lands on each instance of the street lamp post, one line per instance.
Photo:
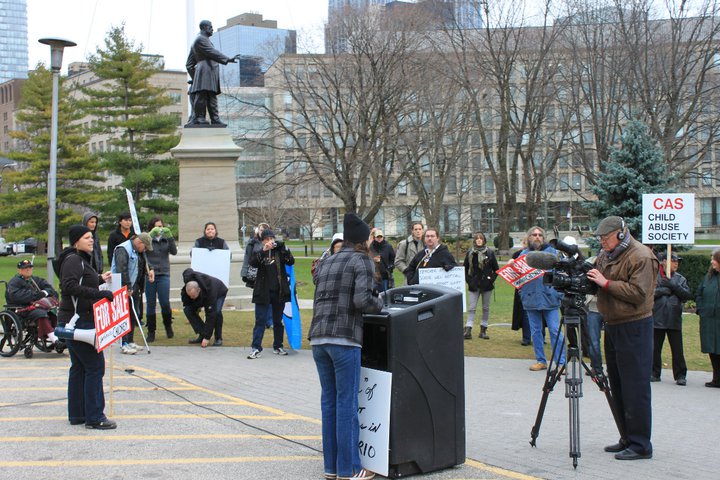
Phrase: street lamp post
(57, 45)
(491, 217)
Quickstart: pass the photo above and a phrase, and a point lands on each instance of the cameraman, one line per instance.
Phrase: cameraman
(271, 290)
(626, 274)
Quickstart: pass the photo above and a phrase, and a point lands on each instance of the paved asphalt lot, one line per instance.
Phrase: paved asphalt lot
(187, 412)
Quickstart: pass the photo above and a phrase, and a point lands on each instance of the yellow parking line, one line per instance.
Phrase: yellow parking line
(154, 461)
(16, 368)
(59, 377)
(287, 416)
(122, 438)
(498, 471)
(117, 388)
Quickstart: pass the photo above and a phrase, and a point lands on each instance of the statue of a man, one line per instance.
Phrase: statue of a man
(202, 66)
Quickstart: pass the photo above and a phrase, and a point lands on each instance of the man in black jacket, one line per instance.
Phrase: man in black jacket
(24, 289)
(435, 254)
(383, 255)
(206, 292)
(272, 290)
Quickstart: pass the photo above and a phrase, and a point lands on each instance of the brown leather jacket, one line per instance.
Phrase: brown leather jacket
(630, 294)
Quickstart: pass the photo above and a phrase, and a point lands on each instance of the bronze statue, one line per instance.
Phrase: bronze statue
(202, 66)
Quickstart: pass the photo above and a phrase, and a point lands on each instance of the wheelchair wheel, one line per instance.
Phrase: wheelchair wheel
(11, 334)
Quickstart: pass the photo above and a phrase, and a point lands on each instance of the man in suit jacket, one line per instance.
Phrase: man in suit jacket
(202, 66)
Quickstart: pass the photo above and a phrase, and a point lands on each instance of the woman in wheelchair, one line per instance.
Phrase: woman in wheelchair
(33, 300)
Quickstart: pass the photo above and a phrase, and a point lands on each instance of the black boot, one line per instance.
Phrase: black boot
(483, 333)
(167, 321)
(467, 333)
(151, 326)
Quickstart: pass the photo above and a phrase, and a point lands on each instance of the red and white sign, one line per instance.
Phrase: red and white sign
(519, 273)
(112, 320)
(668, 218)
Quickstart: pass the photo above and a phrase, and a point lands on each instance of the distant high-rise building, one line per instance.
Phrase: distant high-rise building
(13, 39)
(259, 42)
(462, 14)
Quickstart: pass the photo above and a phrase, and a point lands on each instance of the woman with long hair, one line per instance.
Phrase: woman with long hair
(343, 292)
(708, 307)
(480, 267)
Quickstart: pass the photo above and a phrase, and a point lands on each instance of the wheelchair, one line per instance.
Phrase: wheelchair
(18, 333)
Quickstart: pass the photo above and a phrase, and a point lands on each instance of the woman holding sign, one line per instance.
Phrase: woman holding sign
(79, 288)
(343, 292)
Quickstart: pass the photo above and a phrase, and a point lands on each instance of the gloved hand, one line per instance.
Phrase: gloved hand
(244, 279)
(156, 231)
(448, 267)
(664, 282)
(107, 295)
(167, 233)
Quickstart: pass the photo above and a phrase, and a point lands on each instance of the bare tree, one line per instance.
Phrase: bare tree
(341, 115)
(507, 73)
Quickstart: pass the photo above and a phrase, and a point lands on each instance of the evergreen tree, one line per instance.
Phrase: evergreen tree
(129, 109)
(635, 168)
(25, 203)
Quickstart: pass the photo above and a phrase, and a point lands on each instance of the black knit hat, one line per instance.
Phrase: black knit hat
(355, 230)
(76, 233)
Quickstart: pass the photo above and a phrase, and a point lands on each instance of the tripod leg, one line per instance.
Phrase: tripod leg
(551, 378)
(573, 392)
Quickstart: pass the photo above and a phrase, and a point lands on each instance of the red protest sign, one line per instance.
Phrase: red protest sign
(519, 273)
(112, 320)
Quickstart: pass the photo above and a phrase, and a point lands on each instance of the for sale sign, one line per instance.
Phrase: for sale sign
(519, 273)
(668, 218)
(112, 319)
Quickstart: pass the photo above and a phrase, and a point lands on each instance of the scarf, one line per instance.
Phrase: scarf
(481, 258)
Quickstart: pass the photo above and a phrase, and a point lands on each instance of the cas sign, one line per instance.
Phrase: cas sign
(668, 218)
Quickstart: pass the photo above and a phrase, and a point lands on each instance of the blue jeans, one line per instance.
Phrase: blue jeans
(262, 311)
(160, 288)
(86, 401)
(338, 367)
(552, 319)
(593, 325)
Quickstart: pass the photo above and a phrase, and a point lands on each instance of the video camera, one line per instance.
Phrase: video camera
(569, 274)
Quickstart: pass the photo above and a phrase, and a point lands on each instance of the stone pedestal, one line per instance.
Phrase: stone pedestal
(207, 158)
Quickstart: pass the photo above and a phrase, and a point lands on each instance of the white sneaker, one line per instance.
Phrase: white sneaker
(254, 354)
(135, 346)
(127, 349)
(279, 351)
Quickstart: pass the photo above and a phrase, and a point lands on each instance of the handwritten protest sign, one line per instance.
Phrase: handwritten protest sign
(374, 416)
(112, 320)
(454, 279)
(519, 273)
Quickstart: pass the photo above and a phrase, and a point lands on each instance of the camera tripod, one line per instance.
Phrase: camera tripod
(573, 313)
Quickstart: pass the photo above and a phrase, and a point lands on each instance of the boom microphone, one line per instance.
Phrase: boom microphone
(541, 260)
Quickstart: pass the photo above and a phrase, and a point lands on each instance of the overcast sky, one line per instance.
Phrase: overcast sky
(159, 25)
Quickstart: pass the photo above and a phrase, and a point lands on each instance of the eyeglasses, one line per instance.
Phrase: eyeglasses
(536, 235)
(602, 238)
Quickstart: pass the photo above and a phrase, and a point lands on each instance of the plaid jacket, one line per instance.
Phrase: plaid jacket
(343, 292)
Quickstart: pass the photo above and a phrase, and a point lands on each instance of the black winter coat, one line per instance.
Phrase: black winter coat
(480, 268)
(115, 239)
(386, 253)
(215, 243)
(211, 289)
(669, 298)
(78, 279)
(279, 256)
(440, 258)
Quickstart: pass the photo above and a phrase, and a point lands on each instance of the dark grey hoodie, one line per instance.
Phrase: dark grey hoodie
(97, 256)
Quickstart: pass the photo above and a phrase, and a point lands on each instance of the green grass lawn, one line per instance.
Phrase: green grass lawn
(503, 343)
